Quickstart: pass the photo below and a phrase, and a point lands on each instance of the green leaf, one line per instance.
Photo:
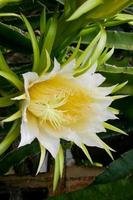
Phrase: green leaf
(115, 75)
(48, 41)
(13, 117)
(10, 137)
(61, 1)
(50, 35)
(124, 17)
(116, 39)
(16, 156)
(100, 13)
(36, 53)
(11, 38)
(116, 70)
(6, 101)
(5, 2)
(13, 79)
(108, 9)
(43, 21)
(118, 169)
(120, 190)
(74, 54)
(70, 7)
(22, 6)
(3, 64)
(84, 8)
(120, 40)
(47, 62)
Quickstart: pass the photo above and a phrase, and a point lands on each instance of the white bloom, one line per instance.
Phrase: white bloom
(59, 105)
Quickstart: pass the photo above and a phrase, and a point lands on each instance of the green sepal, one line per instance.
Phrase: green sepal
(87, 50)
(58, 169)
(119, 86)
(95, 52)
(116, 97)
(114, 111)
(107, 149)
(56, 172)
(104, 57)
(85, 150)
(42, 157)
(99, 48)
(61, 160)
(113, 128)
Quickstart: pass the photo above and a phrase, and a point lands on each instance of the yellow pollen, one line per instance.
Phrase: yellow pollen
(59, 102)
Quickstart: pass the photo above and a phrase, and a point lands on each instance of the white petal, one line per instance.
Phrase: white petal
(29, 130)
(104, 102)
(71, 135)
(87, 56)
(47, 76)
(56, 66)
(48, 141)
(93, 68)
(100, 113)
(44, 166)
(98, 79)
(81, 138)
(29, 79)
(90, 79)
(104, 91)
(53, 73)
(100, 92)
(67, 134)
(96, 141)
(95, 127)
(69, 68)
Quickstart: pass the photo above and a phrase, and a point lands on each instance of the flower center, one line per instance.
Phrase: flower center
(48, 111)
(59, 102)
